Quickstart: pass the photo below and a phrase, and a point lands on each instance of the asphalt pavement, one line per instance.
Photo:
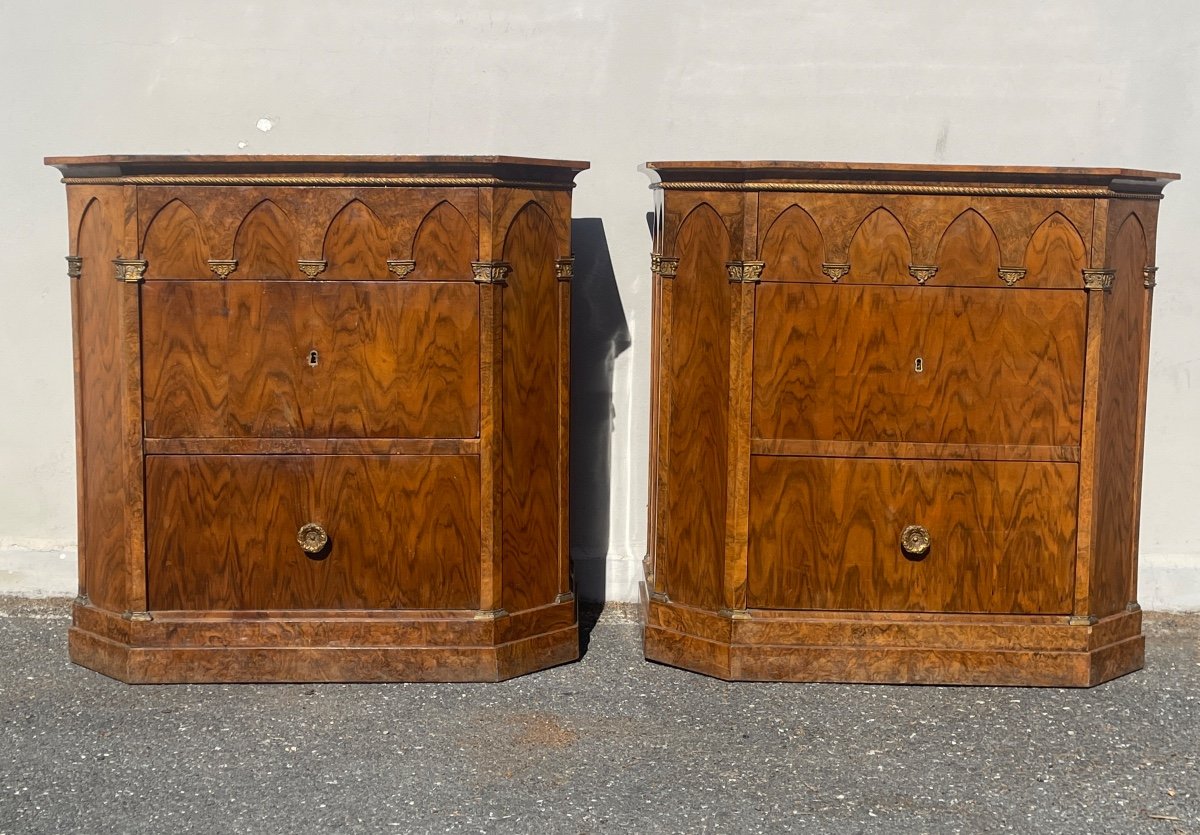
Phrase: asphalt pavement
(609, 744)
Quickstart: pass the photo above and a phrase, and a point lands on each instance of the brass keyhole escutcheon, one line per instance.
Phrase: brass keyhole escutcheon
(919, 365)
(313, 358)
(914, 541)
(312, 538)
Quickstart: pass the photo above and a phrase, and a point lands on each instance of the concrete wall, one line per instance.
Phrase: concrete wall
(618, 82)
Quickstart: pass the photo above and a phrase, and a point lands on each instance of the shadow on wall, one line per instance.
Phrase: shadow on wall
(599, 334)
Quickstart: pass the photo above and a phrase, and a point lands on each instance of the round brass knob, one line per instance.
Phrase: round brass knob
(312, 538)
(914, 541)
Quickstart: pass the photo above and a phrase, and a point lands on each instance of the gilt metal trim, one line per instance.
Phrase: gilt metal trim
(131, 270)
(1150, 276)
(1098, 279)
(664, 265)
(922, 272)
(835, 272)
(1082, 620)
(564, 268)
(312, 267)
(491, 614)
(745, 272)
(311, 180)
(222, 266)
(659, 597)
(401, 267)
(491, 272)
(74, 266)
(902, 188)
(1011, 275)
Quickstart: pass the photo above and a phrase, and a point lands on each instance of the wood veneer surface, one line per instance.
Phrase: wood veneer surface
(376, 345)
(961, 349)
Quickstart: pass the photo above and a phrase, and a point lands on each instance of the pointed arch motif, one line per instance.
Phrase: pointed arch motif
(696, 372)
(174, 245)
(445, 245)
(265, 244)
(1122, 367)
(100, 376)
(356, 244)
(1055, 254)
(793, 247)
(880, 251)
(92, 203)
(969, 252)
(529, 382)
(1131, 250)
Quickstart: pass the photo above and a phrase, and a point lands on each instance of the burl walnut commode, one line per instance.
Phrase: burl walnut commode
(322, 415)
(897, 421)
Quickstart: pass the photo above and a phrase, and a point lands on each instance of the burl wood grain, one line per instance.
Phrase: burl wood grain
(529, 386)
(356, 244)
(839, 363)
(232, 359)
(825, 534)
(1015, 439)
(792, 249)
(969, 239)
(101, 473)
(174, 246)
(880, 251)
(403, 530)
(444, 246)
(893, 647)
(246, 405)
(1118, 425)
(1055, 255)
(358, 219)
(968, 252)
(697, 433)
(266, 244)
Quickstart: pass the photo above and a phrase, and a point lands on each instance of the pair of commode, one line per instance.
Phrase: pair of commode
(323, 415)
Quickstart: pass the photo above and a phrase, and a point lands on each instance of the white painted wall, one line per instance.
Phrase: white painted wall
(618, 82)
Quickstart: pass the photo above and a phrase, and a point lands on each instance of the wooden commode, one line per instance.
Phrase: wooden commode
(322, 416)
(898, 419)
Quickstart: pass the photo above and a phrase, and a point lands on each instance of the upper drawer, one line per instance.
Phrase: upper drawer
(945, 240)
(244, 232)
(918, 364)
(310, 359)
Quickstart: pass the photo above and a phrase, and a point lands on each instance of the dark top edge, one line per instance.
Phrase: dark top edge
(750, 171)
(250, 164)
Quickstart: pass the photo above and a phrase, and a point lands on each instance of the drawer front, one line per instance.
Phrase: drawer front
(236, 359)
(918, 364)
(825, 533)
(403, 532)
(244, 233)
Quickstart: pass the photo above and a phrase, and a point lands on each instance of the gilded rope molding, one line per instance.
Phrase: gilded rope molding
(307, 180)
(900, 188)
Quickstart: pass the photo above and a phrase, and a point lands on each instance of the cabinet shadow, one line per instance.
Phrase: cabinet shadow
(599, 334)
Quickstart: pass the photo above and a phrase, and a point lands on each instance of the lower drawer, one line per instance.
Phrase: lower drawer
(825, 533)
(222, 532)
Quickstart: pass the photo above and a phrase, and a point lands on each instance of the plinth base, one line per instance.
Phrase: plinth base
(891, 648)
(308, 646)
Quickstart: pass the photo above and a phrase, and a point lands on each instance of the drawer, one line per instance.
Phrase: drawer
(310, 359)
(825, 533)
(403, 532)
(249, 233)
(918, 364)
